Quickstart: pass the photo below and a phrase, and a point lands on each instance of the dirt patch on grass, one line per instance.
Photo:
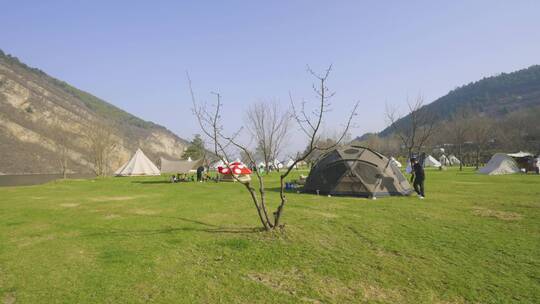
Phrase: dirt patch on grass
(501, 215)
(69, 205)
(114, 198)
(111, 216)
(323, 289)
(276, 281)
(9, 298)
(29, 241)
(379, 294)
(145, 212)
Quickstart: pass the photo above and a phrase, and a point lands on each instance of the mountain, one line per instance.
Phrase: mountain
(495, 97)
(37, 111)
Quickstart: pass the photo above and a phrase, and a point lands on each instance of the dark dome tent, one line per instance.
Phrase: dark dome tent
(356, 171)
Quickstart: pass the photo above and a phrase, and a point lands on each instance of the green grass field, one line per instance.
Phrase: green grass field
(475, 239)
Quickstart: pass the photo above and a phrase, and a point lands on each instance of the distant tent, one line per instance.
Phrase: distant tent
(454, 161)
(398, 164)
(520, 154)
(290, 162)
(139, 164)
(356, 171)
(499, 164)
(215, 165)
(179, 166)
(276, 164)
(430, 161)
(444, 160)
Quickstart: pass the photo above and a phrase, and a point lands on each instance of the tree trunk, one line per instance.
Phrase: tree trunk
(460, 158)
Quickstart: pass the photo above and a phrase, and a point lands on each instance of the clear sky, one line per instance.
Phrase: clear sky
(134, 54)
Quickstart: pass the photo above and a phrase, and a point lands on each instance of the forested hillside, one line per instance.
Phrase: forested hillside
(495, 96)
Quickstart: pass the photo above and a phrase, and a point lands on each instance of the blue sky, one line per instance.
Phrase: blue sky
(134, 54)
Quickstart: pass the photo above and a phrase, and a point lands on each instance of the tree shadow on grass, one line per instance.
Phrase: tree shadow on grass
(287, 191)
(152, 182)
(206, 227)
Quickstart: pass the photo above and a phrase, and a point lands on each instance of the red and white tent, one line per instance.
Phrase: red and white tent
(236, 169)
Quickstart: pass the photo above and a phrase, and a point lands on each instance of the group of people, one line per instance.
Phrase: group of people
(201, 176)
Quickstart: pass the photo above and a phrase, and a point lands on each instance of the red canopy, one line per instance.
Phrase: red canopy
(236, 168)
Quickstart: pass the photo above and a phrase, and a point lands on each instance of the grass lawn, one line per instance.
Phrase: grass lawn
(475, 239)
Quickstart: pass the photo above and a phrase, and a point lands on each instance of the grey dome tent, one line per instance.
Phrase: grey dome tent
(499, 164)
(356, 171)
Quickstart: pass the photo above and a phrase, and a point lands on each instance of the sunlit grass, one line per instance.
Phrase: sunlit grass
(475, 239)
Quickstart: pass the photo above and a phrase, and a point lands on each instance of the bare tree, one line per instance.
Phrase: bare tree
(62, 152)
(459, 130)
(101, 143)
(309, 122)
(269, 127)
(414, 129)
(481, 132)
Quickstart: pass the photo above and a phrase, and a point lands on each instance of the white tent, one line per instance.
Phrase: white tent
(290, 162)
(139, 164)
(520, 154)
(217, 164)
(179, 166)
(395, 162)
(430, 161)
(454, 161)
(444, 160)
(500, 163)
(276, 164)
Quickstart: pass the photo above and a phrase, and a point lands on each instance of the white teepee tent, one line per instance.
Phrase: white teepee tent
(500, 163)
(290, 162)
(454, 161)
(139, 164)
(430, 161)
(444, 160)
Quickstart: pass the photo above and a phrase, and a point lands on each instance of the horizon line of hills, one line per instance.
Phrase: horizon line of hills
(39, 113)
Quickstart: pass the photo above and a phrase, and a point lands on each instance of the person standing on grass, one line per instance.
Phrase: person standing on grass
(417, 178)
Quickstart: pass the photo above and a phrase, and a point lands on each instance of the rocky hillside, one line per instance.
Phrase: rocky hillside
(495, 96)
(38, 113)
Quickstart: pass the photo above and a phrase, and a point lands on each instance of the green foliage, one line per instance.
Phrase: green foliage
(196, 149)
(138, 240)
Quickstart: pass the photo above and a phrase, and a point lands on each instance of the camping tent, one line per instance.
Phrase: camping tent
(236, 169)
(398, 164)
(430, 161)
(216, 164)
(276, 164)
(444, 160)
(139, 164)
(356, 171)
(179, 166)
(290, 162)
(520, 154)
(500, 163)
(454, 161)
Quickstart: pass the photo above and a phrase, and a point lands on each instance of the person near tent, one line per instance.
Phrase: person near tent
(200, 171)
(418, 177)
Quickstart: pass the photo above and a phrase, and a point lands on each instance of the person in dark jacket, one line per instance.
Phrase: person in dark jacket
(200, 171)
(417, 178)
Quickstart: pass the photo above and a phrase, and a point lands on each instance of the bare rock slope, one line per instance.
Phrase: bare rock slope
(38, 113)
